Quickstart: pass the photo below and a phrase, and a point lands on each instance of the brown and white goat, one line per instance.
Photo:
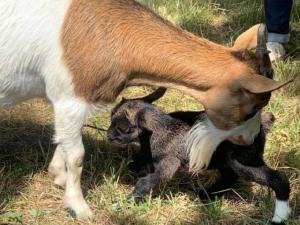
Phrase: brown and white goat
(80, 54)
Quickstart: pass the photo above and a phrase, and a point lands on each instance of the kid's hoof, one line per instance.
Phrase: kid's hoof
(274, 223)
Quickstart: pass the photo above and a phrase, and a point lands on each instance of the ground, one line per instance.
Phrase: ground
(28, 196)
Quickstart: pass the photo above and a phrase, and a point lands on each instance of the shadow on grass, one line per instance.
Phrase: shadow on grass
(24, 150)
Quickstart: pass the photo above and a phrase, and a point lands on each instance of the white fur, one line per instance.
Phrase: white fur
(282, 211)
(203, 139)
(31, 66)
(58, 168)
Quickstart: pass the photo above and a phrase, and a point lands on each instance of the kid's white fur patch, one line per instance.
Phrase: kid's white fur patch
(282, 211)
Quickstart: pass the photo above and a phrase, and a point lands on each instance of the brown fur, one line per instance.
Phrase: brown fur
(248, 40)
(111, 44)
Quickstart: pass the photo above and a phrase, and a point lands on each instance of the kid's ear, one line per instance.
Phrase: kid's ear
(157, 94)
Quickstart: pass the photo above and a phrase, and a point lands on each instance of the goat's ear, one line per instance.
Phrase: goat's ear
(247, 40)
(259, 84)
(154, 95)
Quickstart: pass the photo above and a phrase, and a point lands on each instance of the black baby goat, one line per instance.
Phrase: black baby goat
(162, 140)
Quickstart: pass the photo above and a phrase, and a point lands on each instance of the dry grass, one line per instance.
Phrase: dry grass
(28, 196)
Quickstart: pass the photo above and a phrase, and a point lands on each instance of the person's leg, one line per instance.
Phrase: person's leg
(277, 13)
(277, 17)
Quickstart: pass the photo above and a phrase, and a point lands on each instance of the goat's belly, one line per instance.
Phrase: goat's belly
(20, 87)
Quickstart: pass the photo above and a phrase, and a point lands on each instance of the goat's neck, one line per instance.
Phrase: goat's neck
(154, 52)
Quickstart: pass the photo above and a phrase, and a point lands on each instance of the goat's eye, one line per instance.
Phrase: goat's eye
(253, 113)
(125, 130)
(257, 108)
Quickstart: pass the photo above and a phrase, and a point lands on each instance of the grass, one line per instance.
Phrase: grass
(28, 196)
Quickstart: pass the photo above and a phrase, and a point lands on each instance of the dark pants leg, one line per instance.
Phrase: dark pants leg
(277, 13)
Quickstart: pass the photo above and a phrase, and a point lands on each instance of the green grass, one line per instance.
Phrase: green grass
(28, 196)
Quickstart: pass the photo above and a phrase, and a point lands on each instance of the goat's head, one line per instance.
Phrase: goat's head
(236, 102)
(124, 125)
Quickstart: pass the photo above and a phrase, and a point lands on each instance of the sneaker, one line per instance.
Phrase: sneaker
(276, 50)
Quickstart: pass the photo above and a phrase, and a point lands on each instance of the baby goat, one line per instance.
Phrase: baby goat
(162, 139)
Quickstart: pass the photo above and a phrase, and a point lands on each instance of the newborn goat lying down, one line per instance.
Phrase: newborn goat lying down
(163, 145)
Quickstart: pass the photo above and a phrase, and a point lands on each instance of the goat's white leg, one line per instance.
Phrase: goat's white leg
(69, 118)
(73, 197)
(57, 167)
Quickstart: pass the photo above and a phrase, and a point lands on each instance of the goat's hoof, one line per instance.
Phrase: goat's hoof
(58, 175)
(83, 216)
(80, 211)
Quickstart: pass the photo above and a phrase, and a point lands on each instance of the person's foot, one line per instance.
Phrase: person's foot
(276, 50)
